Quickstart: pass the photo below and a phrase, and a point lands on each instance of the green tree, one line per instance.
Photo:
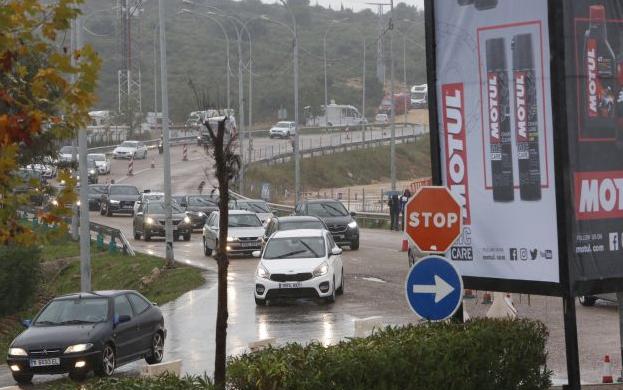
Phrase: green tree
(38, 104)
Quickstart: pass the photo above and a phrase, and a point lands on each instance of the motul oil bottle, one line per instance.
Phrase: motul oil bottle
(498, 120)
(597, 111)
(526, 118)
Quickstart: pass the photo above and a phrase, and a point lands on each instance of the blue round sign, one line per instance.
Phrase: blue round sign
(434, 288)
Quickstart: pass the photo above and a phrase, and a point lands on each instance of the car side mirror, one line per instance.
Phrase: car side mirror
(336, 251)
(120, 319)
(139, 214)
(256, 253)
(353, 214)
(26, 323)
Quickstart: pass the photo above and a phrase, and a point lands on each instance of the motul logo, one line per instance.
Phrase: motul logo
(520, 105)
(494, 109)
(599, 195)
(591, 65)
(456, 153)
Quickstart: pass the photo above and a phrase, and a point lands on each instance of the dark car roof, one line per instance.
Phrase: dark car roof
(321, 201)
(95, 294)
(297, 218)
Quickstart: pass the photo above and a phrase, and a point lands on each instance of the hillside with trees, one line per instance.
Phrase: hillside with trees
(196, 50)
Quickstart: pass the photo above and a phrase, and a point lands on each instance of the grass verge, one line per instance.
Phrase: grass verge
(109, 271)
(352, 168)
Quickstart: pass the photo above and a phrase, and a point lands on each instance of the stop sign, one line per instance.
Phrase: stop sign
(433, 219)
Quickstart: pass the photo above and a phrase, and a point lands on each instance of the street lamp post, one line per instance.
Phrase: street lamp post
(168, 226)
(392, 144)
(363, 95)
(324, 50)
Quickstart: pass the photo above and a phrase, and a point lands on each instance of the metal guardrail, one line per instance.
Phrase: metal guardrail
(114, 234)
(151, 144)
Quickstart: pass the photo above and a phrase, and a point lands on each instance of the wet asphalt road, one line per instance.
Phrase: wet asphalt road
(374, 287)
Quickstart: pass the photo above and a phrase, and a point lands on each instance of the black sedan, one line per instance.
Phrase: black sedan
(198, 207)
(119, 198)
(339, 221)
(84, 332)
(95, 195)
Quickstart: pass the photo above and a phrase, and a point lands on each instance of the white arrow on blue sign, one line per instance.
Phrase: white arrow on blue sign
(434, 288)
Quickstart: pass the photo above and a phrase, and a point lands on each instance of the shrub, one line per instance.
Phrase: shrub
(163, 382)
(19, 277)
(482, 354)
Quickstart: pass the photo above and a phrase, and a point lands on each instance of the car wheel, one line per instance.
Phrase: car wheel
(77, 375)
(340, 291)
(260, 302)
(586, 300)
(146, 235)
(354, 245)
(157, 349)
(102, 211)
(108, 211)
(106, 365)
(22, 379)
(206, 251)
(187, 237)
(145, 155)
(331, 298)
(288, 134)
(137, 235)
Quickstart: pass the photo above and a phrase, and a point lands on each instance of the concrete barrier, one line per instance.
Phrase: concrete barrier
(173, 367)
(261, 344)
(365, 326)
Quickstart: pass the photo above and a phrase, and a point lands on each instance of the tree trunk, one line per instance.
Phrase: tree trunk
(222, 174)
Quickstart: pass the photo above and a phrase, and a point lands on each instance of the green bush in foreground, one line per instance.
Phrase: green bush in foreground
(20, 272)
(482, 354)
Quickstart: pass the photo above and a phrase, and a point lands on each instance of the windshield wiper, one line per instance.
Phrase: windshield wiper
(288, 254)
(46, 323)
(75, 322)
(309, 248)
(338, 211)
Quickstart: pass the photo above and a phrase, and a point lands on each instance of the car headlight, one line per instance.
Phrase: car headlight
(112, 201)
(17, 352)
(78, 348)
(352, 225)
(186, 219)
(78, 203)
(149, 220)
(63, 182)
(322, 269)
(262, 272)
(230, 239)
(54, 202)
(201, 214)
(92, 172)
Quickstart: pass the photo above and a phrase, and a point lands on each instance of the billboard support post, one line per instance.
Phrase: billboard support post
(571, 343)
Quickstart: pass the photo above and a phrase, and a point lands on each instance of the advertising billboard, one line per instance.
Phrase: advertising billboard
(593, 37)
(495, 133)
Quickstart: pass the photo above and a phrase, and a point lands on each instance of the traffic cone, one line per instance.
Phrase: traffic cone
(468, 294)
(606, 376)
(486, 298)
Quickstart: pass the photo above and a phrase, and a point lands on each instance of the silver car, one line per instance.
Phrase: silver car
(244, 233)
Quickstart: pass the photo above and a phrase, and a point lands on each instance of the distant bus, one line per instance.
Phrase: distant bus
(335, 115)
(419, 96)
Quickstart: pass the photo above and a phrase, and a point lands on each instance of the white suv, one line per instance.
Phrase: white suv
(282, 130)
(303, 263)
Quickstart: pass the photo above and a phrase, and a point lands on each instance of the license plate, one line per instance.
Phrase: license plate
(339, 236)
(248, 244)
(45, 362)
(128, 206)
(290, 285)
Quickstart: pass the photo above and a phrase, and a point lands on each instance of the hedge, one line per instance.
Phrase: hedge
(483, 354)
(20, 271)
(480, 355)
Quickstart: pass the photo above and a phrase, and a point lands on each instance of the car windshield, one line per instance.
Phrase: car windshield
(123, 190)
(201, 201)
(294, 248)
(158, 208)
(97, 189)
(66, 150)
(301, 225)
(73, 311)
(91, 164)
(329, 209)
(244, 220)
(129, 144)
(96, 157)
(256, 207)
(282, 125)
